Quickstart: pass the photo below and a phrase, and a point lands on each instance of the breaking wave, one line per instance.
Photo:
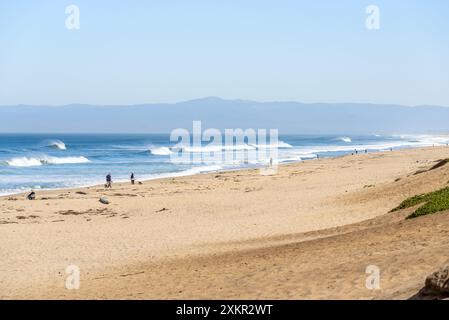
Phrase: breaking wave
(345, 139)
(46, 160)
(161, 151)
(213, 148)
(231, 147)
(57, 144)
(278, 145)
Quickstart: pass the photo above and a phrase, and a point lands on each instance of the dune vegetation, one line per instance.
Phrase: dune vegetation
(433, 202)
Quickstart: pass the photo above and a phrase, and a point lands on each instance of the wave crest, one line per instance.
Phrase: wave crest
(161, 151)
(57, 144)
(345, 139)
(46, 160)
(215, 148)
(278, 145)
(231, 147)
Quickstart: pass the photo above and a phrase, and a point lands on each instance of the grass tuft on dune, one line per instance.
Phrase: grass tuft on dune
(434, 202)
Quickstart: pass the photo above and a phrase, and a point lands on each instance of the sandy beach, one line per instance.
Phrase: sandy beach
(308, 232)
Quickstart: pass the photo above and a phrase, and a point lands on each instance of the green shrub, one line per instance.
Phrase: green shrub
(433, 202)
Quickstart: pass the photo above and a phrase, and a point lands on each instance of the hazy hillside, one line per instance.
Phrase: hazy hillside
(288, 117)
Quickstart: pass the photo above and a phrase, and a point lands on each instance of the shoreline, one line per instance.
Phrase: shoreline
(179, 174)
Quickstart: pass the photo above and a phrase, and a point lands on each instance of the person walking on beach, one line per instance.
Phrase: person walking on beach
(108, 181)
(132, 178)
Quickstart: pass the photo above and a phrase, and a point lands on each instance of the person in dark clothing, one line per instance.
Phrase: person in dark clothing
(132, 178)
(31, 196)
(108, 181)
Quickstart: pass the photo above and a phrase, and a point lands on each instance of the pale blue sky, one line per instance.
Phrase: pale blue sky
(129, 52)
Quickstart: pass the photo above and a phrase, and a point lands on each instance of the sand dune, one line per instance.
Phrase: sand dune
(308, 232)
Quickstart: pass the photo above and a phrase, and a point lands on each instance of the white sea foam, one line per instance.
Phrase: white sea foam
(187, 172)
(129, 147)
(7, 191)
(161, 151)
(425, 139)
(278, 145)
(214, 148)
(413, 141)
(345, 139)
(231, 147)
(23, 162)
(201, 169)
(58, 144)
(32, 162)
(65, 160)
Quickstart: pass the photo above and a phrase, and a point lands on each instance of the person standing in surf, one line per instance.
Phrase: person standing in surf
(109, 181)
(132, 178)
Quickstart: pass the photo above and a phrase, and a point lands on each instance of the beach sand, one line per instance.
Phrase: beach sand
(307, 232)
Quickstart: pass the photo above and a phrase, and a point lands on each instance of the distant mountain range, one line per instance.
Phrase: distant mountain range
(288, 117)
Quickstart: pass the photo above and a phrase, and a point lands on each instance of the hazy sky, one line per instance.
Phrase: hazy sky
(128, 52)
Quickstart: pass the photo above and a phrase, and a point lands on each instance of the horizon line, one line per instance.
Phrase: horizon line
(216, 98)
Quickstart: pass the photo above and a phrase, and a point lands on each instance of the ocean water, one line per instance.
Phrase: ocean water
(38, 161)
